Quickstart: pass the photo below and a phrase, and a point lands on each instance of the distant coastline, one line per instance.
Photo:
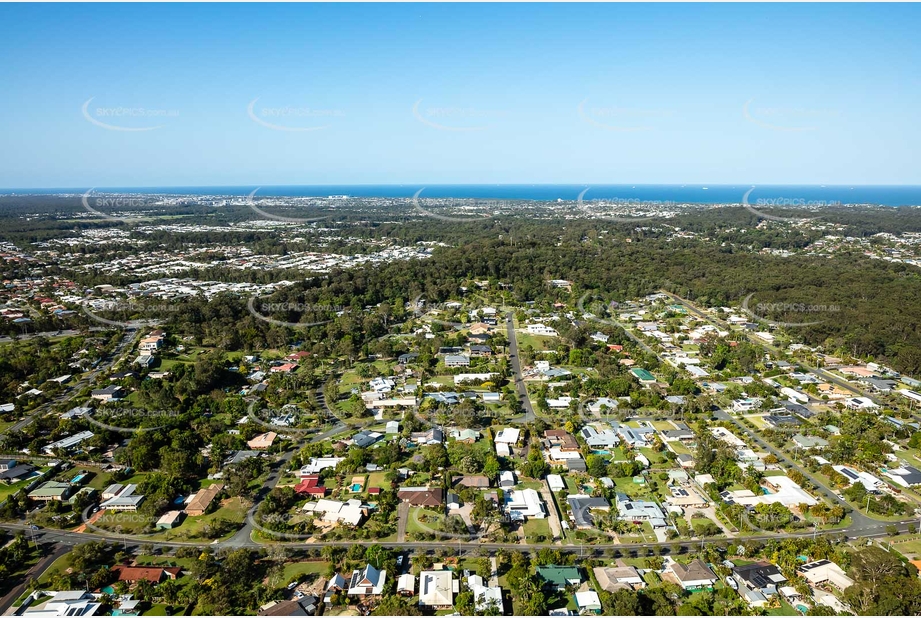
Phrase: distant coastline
(898, 195)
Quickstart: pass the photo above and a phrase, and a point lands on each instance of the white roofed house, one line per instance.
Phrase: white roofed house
(368, 581)
(602, 404)
(437, 589)
(524, 503)
(124, 500)
(599, 439)
(69, 443)
(509, 435)
(350, 512)
(542, 330)
(406, 585)
(825, 571)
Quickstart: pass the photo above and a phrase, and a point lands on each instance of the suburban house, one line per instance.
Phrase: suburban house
(542, 330)
(485, 597)
(558, 577)
(480, 351)
(509, 435)
(113, 392)
(904, 475)
(433, 435)
(561, 439)
(825, 572)
(318, 464)
(368, 581)
(437, 589)
(169, 520)
(758, 582)
(124, 499)
(476, 481)
(457, 360)
(66, 603)
(599, 439)
(152, 343)
(406, 585)
(154, 575)
(809, 442)
(69, 443)
(349, 512)
(613, 579)
(263, 441)
(50, 490)
(639, 510)
(310, 485)
(521, 504)
(199, 504)
(421, 496)
(694, 576)
(582, 506)
(15, 473)
(588, 601)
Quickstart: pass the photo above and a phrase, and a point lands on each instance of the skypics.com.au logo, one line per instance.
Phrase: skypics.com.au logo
(783, 202)
(620, 119)
(479, 209)
(304, 309)
(132, 314)
(250, 201)
(285, 420)
(117, 419)
(786, 308)
(786, 119)
(623, 210)
(456, 119)
(292, 119)
(130, 119)
(105, 205)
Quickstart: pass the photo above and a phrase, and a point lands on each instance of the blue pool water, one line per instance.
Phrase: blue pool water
(602, 452)
(356, 487)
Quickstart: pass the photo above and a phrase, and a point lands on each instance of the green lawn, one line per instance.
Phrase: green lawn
(191, 527)
(419, 517)
(185, 563)
(296, 569)
(534, 527)
(909, 546)
(8, 490)
(159, 609)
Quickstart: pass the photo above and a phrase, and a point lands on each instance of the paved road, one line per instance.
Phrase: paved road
(244, 536)
(515, 359)
(402, 520)
(68, 538)
(338, 428)
(9, 598)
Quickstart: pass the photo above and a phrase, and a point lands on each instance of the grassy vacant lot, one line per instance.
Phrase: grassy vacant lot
(166, 561)
(295, 569)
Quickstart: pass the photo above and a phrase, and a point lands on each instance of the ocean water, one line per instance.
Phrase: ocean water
(901, 195)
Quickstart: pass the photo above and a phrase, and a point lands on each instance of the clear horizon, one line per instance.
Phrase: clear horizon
(290, 95)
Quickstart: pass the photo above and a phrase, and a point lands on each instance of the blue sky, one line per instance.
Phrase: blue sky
(477, 93)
